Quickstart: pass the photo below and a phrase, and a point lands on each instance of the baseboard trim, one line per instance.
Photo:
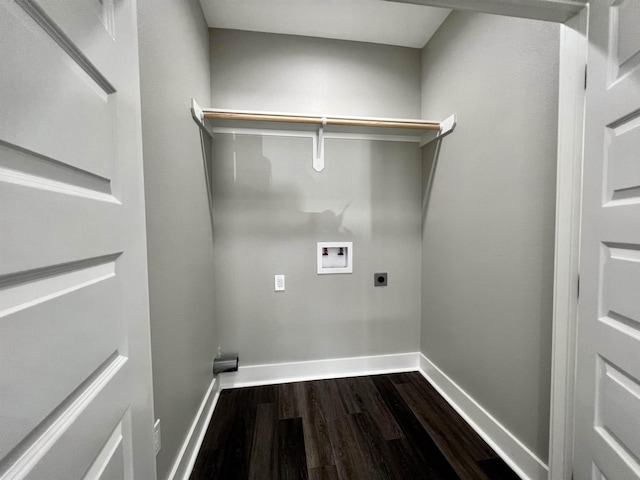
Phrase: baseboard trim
(253, 375)
(522, 460)
(186, 458)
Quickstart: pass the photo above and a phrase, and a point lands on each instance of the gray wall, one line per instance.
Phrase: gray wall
(287, 73)
(174, 66)
(271, 207)
(488, 223)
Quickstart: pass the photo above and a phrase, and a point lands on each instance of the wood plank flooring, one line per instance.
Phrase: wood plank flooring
(378, 427)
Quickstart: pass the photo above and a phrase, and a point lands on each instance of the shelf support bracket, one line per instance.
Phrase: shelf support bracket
(198, 116)
(318, 159)
(446, 127)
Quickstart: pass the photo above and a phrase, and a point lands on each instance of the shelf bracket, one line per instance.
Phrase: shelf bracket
(318, 159)
(198, 116)
(446, 127)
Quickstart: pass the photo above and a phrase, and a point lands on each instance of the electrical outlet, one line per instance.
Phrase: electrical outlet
(156, 437)
(279, 283)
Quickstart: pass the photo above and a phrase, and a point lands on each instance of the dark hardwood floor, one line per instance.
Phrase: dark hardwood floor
(378, 427)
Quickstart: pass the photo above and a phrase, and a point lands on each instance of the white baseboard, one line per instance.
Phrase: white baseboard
(319, 369)
(186, 459)
(522, 460)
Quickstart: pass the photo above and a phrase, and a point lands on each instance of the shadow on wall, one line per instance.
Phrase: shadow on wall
(246, 181)
(328, 222)
(265, 225)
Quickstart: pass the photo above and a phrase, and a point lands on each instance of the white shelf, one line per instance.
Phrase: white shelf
(319, 127)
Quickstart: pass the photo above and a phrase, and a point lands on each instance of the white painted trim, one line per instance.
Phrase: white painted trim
(573, 59)
(522, 460)
(186, 458)
(319, 369)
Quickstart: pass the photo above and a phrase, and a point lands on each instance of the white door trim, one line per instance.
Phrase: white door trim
(571, 108)
(574, 40)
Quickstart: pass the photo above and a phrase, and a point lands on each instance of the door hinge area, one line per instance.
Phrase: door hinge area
(585, 77)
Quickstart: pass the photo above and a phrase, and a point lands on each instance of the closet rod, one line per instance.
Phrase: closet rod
(350, 122)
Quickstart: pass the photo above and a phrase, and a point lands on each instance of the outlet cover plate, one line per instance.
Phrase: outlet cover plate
(380, 279)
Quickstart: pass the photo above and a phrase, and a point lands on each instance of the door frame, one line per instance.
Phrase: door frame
(573, 19)
(571, 113)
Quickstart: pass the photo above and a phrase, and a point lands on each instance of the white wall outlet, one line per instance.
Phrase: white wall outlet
(279, 283)
(156, 437)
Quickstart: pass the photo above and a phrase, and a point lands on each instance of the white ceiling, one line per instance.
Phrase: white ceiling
(375, 21)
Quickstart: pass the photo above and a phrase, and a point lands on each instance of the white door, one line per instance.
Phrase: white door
(75, 373)
(607, 441)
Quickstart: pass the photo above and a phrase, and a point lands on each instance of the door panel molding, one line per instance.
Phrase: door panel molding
(74, 313)
(36, 12)
(26, 455)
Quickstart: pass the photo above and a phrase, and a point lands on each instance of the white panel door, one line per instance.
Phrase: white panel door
(607, 441)
(75, 372)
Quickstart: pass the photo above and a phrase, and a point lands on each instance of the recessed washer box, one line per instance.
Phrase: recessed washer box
(335, 257)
